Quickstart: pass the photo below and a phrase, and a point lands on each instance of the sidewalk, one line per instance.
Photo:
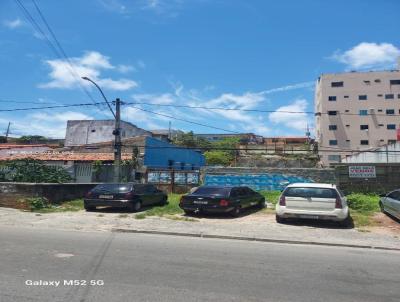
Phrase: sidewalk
(257, 226)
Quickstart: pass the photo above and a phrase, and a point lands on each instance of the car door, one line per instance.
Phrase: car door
(395, 204)
(235, 196)
(389, 202)
(155, 196)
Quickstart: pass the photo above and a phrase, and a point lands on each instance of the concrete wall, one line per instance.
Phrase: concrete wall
(348, 134)
(387, 179)
(82, 132)
(386, 154)
(11, 192)
(265, 178)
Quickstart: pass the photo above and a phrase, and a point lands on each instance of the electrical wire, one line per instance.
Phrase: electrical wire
(60, 53)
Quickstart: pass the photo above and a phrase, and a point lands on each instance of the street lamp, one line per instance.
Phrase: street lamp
(116, 132)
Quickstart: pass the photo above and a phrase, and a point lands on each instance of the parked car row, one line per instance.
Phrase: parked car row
(298, 200)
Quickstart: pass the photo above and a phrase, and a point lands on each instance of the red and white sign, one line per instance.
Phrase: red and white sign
(362, 171)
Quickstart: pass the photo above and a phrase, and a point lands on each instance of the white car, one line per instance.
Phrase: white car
(312, 201)
(390, 203)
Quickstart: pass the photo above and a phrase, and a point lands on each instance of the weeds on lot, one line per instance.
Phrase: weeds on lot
(123, 215)
(271, 196)
(171, 208)
(362, 207)
(42, 205)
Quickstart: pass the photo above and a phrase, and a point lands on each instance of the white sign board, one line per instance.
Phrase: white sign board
(362, 171)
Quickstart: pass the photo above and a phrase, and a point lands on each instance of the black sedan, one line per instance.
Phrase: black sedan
(221, 199)
(124, 195)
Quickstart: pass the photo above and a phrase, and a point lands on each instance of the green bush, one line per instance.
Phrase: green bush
(37, 203)
(30, 170)
(363, 203)
(218, 158)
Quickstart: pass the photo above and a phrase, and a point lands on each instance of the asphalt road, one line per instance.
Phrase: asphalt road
(136, 267)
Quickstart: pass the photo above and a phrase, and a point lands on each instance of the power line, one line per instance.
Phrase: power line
(184, 120)
(286, 152)
(60, 53)
(52, 107)
(215, 108)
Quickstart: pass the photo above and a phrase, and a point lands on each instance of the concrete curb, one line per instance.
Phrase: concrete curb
(201, 235)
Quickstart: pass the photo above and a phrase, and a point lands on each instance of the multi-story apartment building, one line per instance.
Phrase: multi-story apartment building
(356, 111)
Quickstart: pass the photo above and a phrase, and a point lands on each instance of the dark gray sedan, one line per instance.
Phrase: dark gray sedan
(221, 199)
(125, 195)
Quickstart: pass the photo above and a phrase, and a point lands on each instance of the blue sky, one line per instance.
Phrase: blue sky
(218, 53)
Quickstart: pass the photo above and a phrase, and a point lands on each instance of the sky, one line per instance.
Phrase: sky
(156, 54)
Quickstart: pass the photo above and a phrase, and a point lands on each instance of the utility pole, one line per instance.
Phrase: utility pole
(117, 141)
(8, 131)
(116, 132)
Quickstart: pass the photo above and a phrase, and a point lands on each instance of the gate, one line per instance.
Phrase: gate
(83, 172)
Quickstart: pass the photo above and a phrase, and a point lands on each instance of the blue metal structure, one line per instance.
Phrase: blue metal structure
(255, 181)
(162, 155)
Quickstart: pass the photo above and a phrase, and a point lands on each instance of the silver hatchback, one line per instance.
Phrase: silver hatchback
(390, 203)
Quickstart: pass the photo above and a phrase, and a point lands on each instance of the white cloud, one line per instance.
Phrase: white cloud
(91, 64)
(292, 115)
(48, 124)
(165, 98)
(369, 55)
(289, 87)
(12, 24)
(125, 68)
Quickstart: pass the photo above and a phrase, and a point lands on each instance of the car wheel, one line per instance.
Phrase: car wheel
(135, 206)
(346, 222)
(280, 219)
(261, 204)
(381, 206)
(236, 211)
(90, 208)
(164, 201)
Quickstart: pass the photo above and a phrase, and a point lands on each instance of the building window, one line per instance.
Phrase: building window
(364, 142)
(336, 84)
(398, 96)
(346, 96)
(380, 110)
(394, 82)
(332, 98)
(389, 96)
(367, 82)
(347, 140)
(363, 127)
(363, 112)
(391, 126)
(347, 125)
(392, 141)
(93, 130)
(377, 81)
(332, 112)
(332, 127)
(380, 95)
(389, 111)
(333, 157)
(362, 97)
(380, 125)
(333, 142)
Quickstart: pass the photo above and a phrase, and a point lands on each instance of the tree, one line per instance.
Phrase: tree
(189, 140)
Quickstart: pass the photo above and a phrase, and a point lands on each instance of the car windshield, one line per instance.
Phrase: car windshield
(212, 191)
(310, 192)
(113, 188)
